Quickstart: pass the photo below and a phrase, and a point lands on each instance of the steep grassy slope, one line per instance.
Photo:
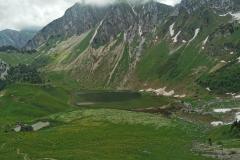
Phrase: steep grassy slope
(22, 102)
(223, 81)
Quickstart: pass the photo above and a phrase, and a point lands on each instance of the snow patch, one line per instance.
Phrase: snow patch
(232, 94)
(96, 32)
(208, 89)
(180, 96)
(222, 61)
(205, 41)
(236, 16)
(222, 110)
(195, 35)
(217, 123)
(238, 59)
(171, 30)
(140, 32)
(175, 39)
(163, 92)
(231, 53)
(223, 15)
(184, 41)
(238, 116)
(238, 96)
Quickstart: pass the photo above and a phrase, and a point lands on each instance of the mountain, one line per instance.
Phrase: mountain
(17, 39)
(138, 45)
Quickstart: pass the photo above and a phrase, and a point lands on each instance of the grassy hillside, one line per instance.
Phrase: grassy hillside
(223, 81)
(17, 58)
(105, 134)
(22, 102)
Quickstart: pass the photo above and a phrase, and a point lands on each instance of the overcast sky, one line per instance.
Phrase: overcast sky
(22, 14)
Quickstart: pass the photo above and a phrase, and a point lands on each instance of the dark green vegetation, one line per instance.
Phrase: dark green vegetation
(24, 73)
(2, 84)
(224, 80)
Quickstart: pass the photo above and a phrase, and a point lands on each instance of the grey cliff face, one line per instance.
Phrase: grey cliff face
(109, 20)
(221, 5)
(77, 19)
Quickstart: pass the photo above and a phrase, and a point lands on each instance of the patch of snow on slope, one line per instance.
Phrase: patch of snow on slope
(222, 110)
(96, 32)
(163, 92)
(232, 94)
(195, 35)
(208, 89)
(180, 96)
(238, 96)
(205, 41)
(140, 32)
(236, 16)
(238, 59)
(238, 116)
(223, 15)
(217, 123)
(171, 30)
(175, 39)
(125, 37)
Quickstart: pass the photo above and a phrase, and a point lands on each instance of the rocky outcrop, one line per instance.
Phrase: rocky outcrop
(3, 69)
(220, 5)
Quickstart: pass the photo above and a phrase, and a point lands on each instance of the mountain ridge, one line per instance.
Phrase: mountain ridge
(114, 42)
(17, 39)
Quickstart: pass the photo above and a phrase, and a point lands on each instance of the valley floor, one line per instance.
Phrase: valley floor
(106, 125)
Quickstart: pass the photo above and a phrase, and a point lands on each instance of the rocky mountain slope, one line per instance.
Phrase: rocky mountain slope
(141, 45)
(17, 39)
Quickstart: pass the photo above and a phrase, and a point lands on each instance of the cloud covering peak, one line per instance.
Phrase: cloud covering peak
(22, 14)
